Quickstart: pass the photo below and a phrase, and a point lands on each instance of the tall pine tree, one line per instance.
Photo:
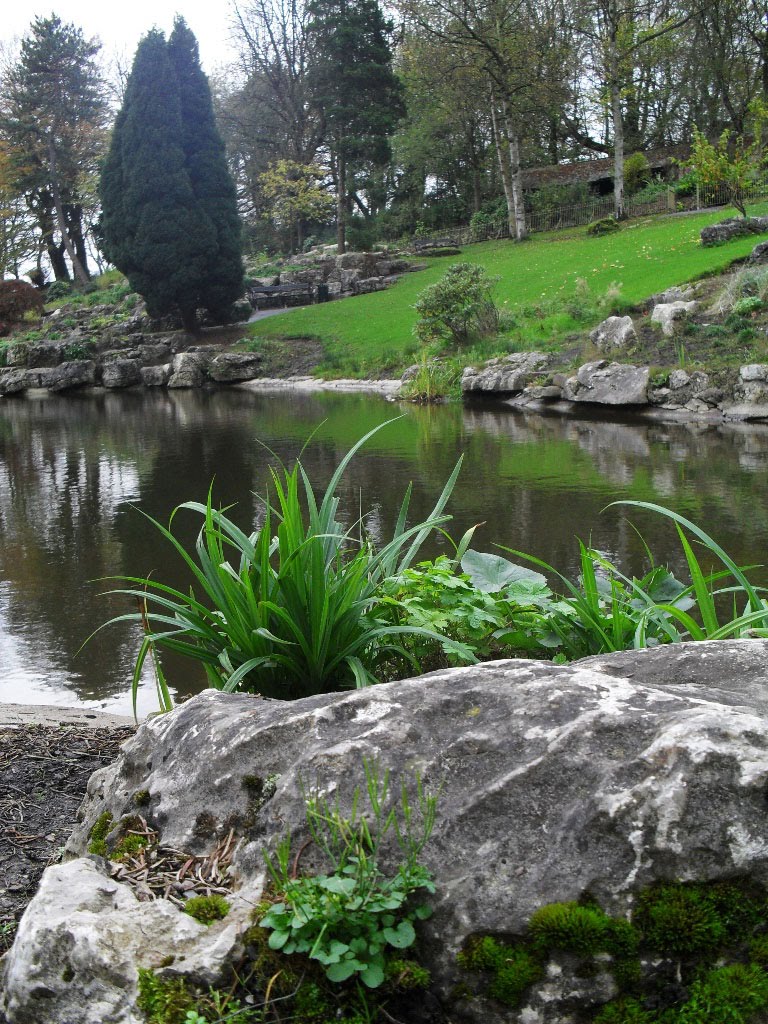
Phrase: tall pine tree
(209, 176)
(354, 88)
(169, 217)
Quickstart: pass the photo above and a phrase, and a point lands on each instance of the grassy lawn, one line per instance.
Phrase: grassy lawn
(646, 256)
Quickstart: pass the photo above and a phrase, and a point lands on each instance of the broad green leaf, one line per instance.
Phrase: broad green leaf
(278, 939)
(341, 971)
(492, 573)
(402, 936)
(372, 976)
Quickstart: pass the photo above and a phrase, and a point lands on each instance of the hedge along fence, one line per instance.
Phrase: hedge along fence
(577, 215)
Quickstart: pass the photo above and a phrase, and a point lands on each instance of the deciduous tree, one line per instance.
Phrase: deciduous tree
(53, 115)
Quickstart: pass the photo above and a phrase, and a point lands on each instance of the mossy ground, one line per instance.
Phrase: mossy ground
(692, 953)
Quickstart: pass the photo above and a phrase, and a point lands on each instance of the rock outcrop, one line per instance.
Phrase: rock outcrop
(733, 227)
(605, 383)
(614, 334)
(602, 778)
(667, 314)
(505, 375)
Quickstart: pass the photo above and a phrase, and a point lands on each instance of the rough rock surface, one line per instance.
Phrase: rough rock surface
(75, 374)
(155, 376)
(605, 383)
(121, 373)
(507, 375)
(235, 366)
(600, 777)
(674, 294)
(93, 934)
(188, 370)
(668, 313)
(733, 227)
(614, 334)
(12, 381)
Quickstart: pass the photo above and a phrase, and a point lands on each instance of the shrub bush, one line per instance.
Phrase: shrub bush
(18, 298)
(58, 290)
(605, 226)
(459, 308)
(637, 172)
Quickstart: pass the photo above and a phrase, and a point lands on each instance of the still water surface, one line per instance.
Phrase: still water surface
(75, 473)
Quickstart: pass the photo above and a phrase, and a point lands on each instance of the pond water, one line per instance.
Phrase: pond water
(76, 473)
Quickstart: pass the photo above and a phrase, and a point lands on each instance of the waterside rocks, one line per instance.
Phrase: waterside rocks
(605, 383)
(506, 375)
(601, 777)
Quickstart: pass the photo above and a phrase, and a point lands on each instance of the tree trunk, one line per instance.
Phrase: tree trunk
(515, 174)
(506, 179)
(617, 120)
(77, 266)
(73, 213)
(618, 153)
(341, 204)
(189, 320)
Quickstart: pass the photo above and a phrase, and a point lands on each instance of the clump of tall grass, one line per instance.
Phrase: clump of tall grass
(433, 381)
(290, 610)
(748, 283)
(606, 610)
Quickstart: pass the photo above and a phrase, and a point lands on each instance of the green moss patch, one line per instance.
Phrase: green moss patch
(709, 937)
(97, 840)
(207, 909)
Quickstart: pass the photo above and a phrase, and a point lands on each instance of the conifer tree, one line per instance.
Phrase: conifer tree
(209, 176)
(353, 86)
(169, 214)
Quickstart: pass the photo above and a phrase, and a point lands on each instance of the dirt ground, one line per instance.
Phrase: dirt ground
(44, 772)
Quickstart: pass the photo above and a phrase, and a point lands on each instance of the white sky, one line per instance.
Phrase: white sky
(119, 26)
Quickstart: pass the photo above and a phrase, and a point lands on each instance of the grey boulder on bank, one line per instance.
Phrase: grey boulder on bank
(600, 777)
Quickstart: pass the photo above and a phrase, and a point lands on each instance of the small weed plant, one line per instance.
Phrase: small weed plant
(351, 917)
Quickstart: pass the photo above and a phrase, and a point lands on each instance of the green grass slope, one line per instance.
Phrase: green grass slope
(646, 256)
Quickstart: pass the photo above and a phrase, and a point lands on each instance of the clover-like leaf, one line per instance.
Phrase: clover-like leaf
(402, 936)
(342, 971)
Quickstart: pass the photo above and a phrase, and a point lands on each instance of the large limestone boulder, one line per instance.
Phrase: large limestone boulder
(677, 293)
(614, 334)
(599, 778)
(46, 353)
(666, 314)
(77, 373)
(94, 934)
(604, 383)
(189, 370)
(121, 373)
(508, 375)
(751, 389)
(733, 227)
(156, 376)
(12, 380)
(231, 367)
